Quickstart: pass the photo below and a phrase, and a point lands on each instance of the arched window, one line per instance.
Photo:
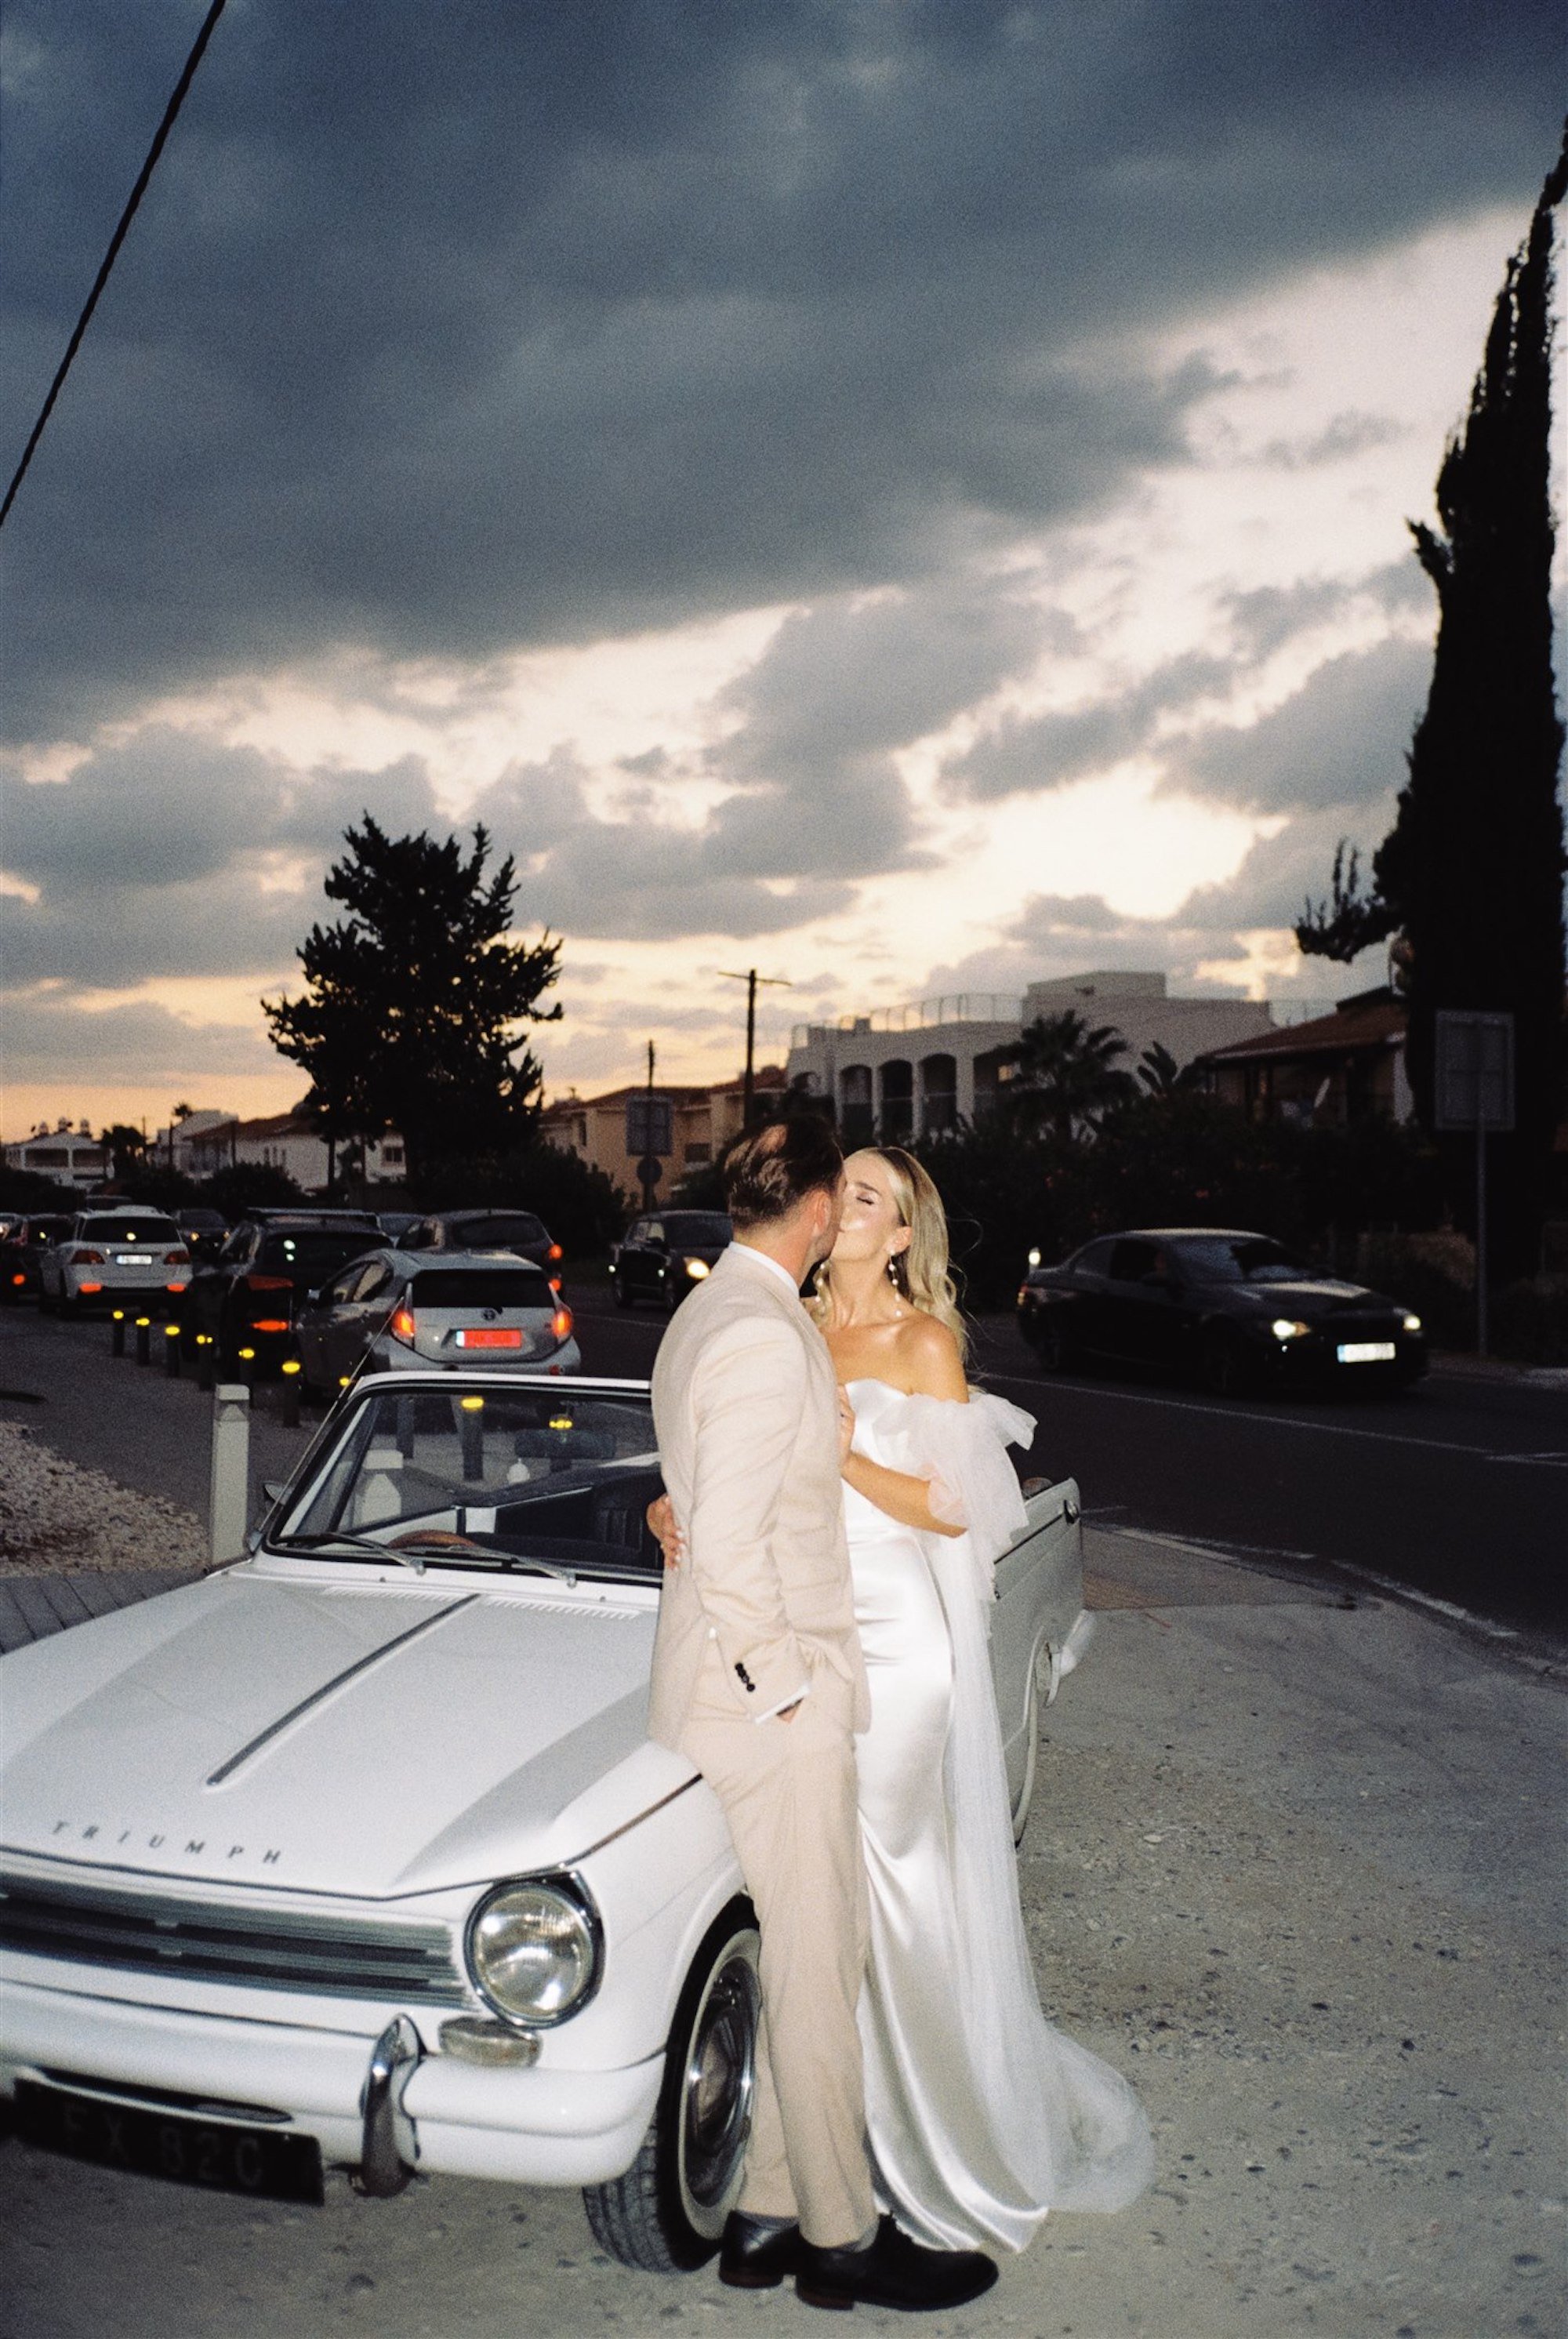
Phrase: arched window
(938, 1094)
(897, 1117)
(856, 1118)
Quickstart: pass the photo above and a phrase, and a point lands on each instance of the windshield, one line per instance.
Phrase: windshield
(704, 1230)
(1244, 1258)
(480, 1287)
(494, 1234)
(128, 1229)
(311, 1253)
(503, 1475)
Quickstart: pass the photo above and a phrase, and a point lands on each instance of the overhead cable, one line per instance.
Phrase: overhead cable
(116, 240)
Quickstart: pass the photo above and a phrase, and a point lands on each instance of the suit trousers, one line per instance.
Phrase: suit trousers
(788, 1791)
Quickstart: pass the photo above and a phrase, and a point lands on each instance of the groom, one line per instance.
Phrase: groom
(758, 1678)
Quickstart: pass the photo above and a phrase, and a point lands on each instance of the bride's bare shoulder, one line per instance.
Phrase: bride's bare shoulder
(930, 1358)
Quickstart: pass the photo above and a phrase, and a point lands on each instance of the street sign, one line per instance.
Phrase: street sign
(649, 1125)
(1473, 1090)
(1473, 1072)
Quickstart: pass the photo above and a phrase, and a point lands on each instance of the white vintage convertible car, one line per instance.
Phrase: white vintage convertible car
(356, 1853)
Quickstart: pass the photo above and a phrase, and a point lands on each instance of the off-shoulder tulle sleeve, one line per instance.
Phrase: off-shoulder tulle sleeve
(961, 1451)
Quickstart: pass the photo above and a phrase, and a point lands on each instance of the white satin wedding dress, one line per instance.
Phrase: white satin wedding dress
(981, 2116)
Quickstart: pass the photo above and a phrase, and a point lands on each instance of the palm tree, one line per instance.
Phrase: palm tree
(1067, 1072)
(1162, 1075)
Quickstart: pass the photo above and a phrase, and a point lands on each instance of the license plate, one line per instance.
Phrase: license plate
(484, 1339)
(131, 1259)
(153, 2143)
(1366, 1352)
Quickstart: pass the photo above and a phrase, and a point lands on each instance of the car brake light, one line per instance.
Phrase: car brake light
(561, 1323)
(84, 1288)
(176, 1258)
(18, 1278)
(271, 1324)
(555, 1251)
(268, 1283)
(402, 1327)
(86, 1259)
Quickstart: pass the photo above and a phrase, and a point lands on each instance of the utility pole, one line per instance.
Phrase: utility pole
(751, 978)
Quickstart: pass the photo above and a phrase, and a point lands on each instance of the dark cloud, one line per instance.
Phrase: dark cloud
(1342, 436)
(444, 329)
(1026, 754)
(48, 1040)
(1340, 740)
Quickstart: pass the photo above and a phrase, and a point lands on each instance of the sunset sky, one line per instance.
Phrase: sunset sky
(911, 497)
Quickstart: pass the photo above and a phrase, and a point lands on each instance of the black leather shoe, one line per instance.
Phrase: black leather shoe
(893, 2272)
(756, 2253)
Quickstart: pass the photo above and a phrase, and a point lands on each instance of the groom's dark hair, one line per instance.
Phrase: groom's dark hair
(771, 1170)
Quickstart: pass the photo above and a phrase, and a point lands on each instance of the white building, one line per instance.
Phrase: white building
(921, 1068)
(281, 1140)
(72, 1157)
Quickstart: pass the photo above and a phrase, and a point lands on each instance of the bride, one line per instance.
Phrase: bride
(981, 2116)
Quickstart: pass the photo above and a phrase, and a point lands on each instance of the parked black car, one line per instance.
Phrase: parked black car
(247, 1297)
(515, 1230)
(20, 1246)
(663, 1255)
(1232, 1308)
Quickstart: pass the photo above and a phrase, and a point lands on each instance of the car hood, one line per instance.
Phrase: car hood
(1308, 1295)
(351, 1738)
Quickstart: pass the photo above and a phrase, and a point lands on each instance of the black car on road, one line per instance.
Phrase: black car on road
(1231, 1307)
(518, 1231)
(21, 1244)
(663, 1255)
(248, 1296)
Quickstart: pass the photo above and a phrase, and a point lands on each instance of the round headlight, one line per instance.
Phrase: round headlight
(1288, 1327)
(1413, 1323)
(533, 1950)
(696, 1268)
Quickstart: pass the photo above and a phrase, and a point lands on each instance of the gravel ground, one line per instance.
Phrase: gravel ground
(56, 1515)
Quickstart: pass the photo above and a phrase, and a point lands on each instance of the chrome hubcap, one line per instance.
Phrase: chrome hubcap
(720, 2082)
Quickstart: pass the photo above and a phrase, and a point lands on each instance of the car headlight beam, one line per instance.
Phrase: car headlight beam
(1290, 1327)
(535, 1948)
(1412, 1323)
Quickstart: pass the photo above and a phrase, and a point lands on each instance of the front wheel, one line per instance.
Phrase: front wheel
(1225, 1372)
(666, 2213)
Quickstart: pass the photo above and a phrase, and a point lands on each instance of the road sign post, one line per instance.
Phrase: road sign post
(1473, 1085)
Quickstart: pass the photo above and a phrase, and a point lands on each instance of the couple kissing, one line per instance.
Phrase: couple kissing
(837, 1496)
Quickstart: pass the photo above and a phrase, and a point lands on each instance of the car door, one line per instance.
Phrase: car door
(1139, 1318)
(313, 1329)
(360, 1315)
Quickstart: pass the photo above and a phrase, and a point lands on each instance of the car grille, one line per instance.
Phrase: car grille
(141, 1932)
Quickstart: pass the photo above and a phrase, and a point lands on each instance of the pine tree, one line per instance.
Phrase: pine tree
(409, 1015)
(1469, 880)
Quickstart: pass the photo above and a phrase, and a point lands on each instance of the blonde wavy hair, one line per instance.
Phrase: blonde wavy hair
(922, 1272)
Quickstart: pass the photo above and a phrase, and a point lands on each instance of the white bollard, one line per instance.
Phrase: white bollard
(230, 1501)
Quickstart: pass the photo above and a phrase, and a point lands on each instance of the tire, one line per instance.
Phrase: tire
(1025, 1796)
(666, 2213)
(1053, 1343)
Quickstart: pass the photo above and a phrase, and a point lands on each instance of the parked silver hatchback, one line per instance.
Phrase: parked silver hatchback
(394, 1310)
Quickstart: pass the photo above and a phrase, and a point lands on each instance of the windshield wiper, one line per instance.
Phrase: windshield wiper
(405, 1558)
(413, 1551)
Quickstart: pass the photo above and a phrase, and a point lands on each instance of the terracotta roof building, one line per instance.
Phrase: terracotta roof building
(1340, 1068)
(702, 1121)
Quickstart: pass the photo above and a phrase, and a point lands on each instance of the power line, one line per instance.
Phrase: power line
(116, 240)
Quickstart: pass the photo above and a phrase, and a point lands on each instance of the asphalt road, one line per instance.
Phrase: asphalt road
(1456, 1489)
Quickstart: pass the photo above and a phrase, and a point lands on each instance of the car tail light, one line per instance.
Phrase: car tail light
(561, 1323)
(84, 1288)
(18, 1278)
(268, 1283)
(86, 1259)
(271, 1324)
(555, 1251)
(176, 1258)
(401, 1325)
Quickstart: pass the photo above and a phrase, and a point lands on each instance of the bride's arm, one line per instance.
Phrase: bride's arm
(929, 1354)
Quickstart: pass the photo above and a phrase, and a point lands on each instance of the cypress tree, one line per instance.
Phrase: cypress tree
(1469, 878)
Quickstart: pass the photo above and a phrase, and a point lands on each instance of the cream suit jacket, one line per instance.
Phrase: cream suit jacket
(761, 1606)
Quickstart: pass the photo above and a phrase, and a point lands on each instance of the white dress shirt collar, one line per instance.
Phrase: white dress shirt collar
(746, 1250)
